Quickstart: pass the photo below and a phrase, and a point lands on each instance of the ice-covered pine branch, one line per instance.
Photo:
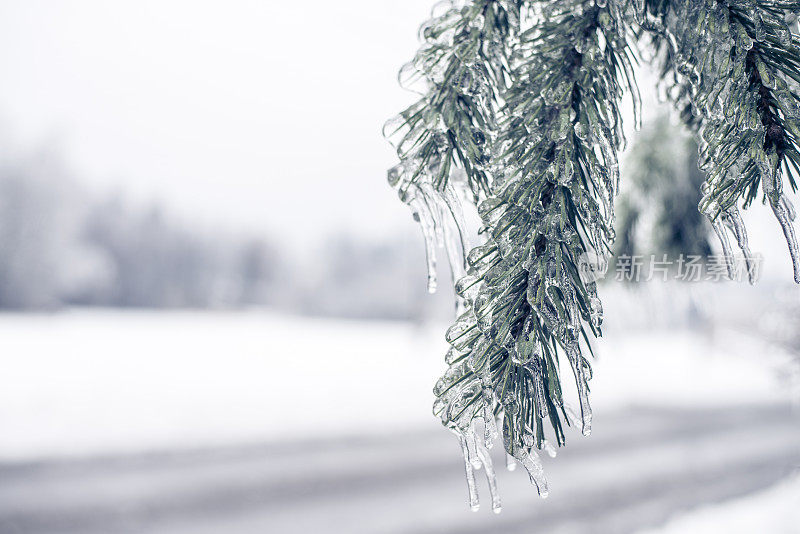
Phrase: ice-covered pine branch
(459, 72)
(733, 69)
(521, 97)
(553, 168)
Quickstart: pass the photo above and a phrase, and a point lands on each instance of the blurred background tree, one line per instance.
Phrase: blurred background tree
(62, 245)
(658, 206)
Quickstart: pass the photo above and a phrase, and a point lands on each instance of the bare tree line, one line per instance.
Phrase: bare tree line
(61, 245)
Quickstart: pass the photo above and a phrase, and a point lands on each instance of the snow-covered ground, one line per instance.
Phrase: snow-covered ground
(773, 511)
(669, 434)
(87, 382)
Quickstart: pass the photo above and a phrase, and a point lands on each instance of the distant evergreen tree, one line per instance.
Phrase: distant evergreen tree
(663, 180)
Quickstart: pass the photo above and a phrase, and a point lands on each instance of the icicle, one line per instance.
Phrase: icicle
(574, 357)
(636, 98)
(539, 396)
(490, 432)
(476, 454)
(454, 255)
(491, 477)
(490, 427)
(534, 366)
(722, 235)
(781, 207)
(474, 503)
(432, 200)
(450, 198)
(783, 215)
(472, 448)
(734, 219)
(426, 223)
(530, 461)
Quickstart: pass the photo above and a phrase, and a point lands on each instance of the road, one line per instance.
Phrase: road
(639, 468)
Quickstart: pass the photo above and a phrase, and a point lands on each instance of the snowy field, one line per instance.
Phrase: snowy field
(774, 510)
(82, 385)
(87, 382)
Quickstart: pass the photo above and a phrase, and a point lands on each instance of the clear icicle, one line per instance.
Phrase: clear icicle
(450, 198)
(722, 235)
(734, 219)
(454, 255)
(474, 503)
(530, 461)
(782, 208)
(472, 449)
(784, 219)
(491, 477)
(431, 198)
(490, 432)
(441, 219)
(426, 223)
(583, 391)
(534, 366)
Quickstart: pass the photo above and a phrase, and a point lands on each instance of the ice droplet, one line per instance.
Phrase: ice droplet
(549, 449)
(511, 463)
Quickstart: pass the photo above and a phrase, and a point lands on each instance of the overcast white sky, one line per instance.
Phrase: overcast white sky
(252, 113)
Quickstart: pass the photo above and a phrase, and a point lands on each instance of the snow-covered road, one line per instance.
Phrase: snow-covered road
(179, 423)
(642, 467)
